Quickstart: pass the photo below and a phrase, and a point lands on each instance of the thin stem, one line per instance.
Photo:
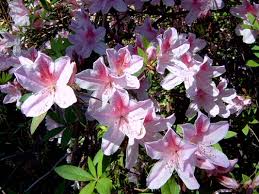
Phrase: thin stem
(46, 174)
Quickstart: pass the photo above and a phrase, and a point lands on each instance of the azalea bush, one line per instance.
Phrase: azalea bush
(129, 96)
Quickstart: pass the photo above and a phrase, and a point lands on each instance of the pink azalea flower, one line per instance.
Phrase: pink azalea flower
(86, 40)
(141, 93)
(147, 30)
(138, 44)
(122, 62)
(204, 134)
(153, 123)
(7, 61)
(202, 100)
(200, 8)
(103, 82)
(183, 71)
(238, 104)
(26, 58)
(246, 7)
(19, 13)
(228, 182)
(196, 44)
(171, 47)
(81, 20)
(106, 5)
(7, 41)
(173, 153)
(241, 11)
(123, 117)
(221, 172)
(225, 97)
(13, 92)
(205, 75)
(47, 80)
(249, 36)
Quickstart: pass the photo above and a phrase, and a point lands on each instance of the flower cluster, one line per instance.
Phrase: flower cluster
(118, 86)
(246, 29)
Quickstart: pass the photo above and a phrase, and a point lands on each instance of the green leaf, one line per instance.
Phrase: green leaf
(99, 169)
(171, 187)
(36, 122)
(91, 167)
(252, 63)
(88, 189)
(56, 117)
(25, 97)
(4, 77)
(45, 5)
(246, 129)
(230, 134)
(102, 129)
(255, 50)
(245, 178)
(70, 115)
(246, 26)
(60, 189)
(73, 173)
(217, 147)
(146, 43)
(143, 54)
(104, 186)
(98, 157)
(251, 18)
(254, 122)
(179, 130)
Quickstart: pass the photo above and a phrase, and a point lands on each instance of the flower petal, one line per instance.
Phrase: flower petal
(216, 157)
(217, 131)
(38, 103)
(64, 96)
(159, 175)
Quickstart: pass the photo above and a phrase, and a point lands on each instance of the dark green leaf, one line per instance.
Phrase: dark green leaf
(52, 133)
(66, 137)
(70, 115)
(73, 173)
(45, 5)
(60, 189)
